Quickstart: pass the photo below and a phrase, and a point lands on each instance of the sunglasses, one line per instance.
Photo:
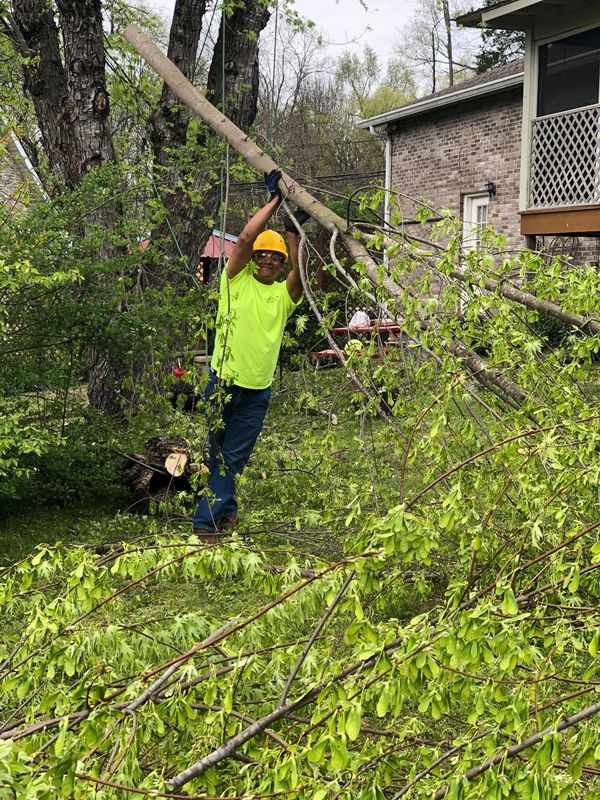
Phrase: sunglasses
(262, 255)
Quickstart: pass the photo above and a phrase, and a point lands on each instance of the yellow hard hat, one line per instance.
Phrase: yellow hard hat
(271, 240)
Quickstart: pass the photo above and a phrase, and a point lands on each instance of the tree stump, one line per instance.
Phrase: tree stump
(157, 474)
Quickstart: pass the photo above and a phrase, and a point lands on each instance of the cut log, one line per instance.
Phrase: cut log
(157, 474)
(176, 462)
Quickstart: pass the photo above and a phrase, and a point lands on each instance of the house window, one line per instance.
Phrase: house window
(569, 73)
(475, 219)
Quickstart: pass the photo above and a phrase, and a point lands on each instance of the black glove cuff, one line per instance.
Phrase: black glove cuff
(301, 216)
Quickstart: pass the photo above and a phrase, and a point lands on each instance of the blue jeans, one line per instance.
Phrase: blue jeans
(236, 417)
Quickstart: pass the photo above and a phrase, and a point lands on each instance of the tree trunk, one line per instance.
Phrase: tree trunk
(69, 96)
(155, 475)
(169, 121)
(447, 25)
(237, 45)
(44, 77)
(433, 64)
(72, 108)
(87, 105)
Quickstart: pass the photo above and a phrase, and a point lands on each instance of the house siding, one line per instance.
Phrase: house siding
(442, 155)
(17, 185)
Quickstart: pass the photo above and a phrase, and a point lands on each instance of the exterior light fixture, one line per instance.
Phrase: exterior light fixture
(490, 188)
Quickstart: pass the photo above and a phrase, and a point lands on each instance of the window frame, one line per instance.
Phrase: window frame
(546, 42)
(472, 227)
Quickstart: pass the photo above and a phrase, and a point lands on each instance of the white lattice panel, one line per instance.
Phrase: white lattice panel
(565, 160)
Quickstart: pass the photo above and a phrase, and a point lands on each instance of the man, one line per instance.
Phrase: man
(253, 310)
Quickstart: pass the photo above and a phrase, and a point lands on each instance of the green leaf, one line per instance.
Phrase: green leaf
(339, 754)
(59, 744)
(315, 754)
(509, 604)
(353, 723)
(383, 703)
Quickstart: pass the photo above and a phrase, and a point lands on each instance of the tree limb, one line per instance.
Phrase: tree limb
(322, 622)
(536, 738)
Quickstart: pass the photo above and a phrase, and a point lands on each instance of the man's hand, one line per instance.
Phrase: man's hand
(271, 180)
(301, 216)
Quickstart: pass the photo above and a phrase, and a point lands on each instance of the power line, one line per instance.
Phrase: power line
(339, 176)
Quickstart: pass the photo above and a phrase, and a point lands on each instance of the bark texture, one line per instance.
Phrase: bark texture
(71, 101)
(44, 77)
(87, 104)
(68, 92)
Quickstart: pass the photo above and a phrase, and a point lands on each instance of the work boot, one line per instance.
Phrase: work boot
(206, 536)
(226, 522)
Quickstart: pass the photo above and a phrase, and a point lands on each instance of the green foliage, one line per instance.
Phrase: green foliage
(61, 297)
(417, 596)
(499, 47)
(21, 432)
(305, 334)
(360, 78)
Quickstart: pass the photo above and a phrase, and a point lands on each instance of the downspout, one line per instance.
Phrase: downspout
(30, 168)
(387, 179)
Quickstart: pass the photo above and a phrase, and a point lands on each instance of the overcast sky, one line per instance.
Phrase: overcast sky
(345, 21)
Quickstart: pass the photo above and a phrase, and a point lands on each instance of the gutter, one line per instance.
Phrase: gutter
(433, 103)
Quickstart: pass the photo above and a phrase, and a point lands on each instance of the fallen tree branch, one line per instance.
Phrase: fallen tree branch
(322, 622)
(496, 446)
(588, 325)
(160, 682)
(434, 764)
(508, 391)
(514, 750)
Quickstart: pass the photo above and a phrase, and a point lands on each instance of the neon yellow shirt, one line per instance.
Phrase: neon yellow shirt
(250, 322)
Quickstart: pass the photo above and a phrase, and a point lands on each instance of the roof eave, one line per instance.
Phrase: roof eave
(515, 15)
(433, 103)
(473, 19)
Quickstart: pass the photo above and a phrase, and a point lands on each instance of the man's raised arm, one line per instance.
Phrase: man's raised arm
(293, 280)
(242, 252)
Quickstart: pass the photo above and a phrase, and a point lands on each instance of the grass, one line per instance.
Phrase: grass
(306, 476)
(315, 455)
(23, 527)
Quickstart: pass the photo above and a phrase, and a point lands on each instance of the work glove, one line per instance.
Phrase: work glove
(301, 216)
(271, 180)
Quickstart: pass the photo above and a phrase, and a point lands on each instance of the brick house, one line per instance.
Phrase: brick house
(19, 182)
(529, 130)
(445, 149)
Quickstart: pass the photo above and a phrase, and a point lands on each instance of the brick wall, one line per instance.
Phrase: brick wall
(453, 151)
